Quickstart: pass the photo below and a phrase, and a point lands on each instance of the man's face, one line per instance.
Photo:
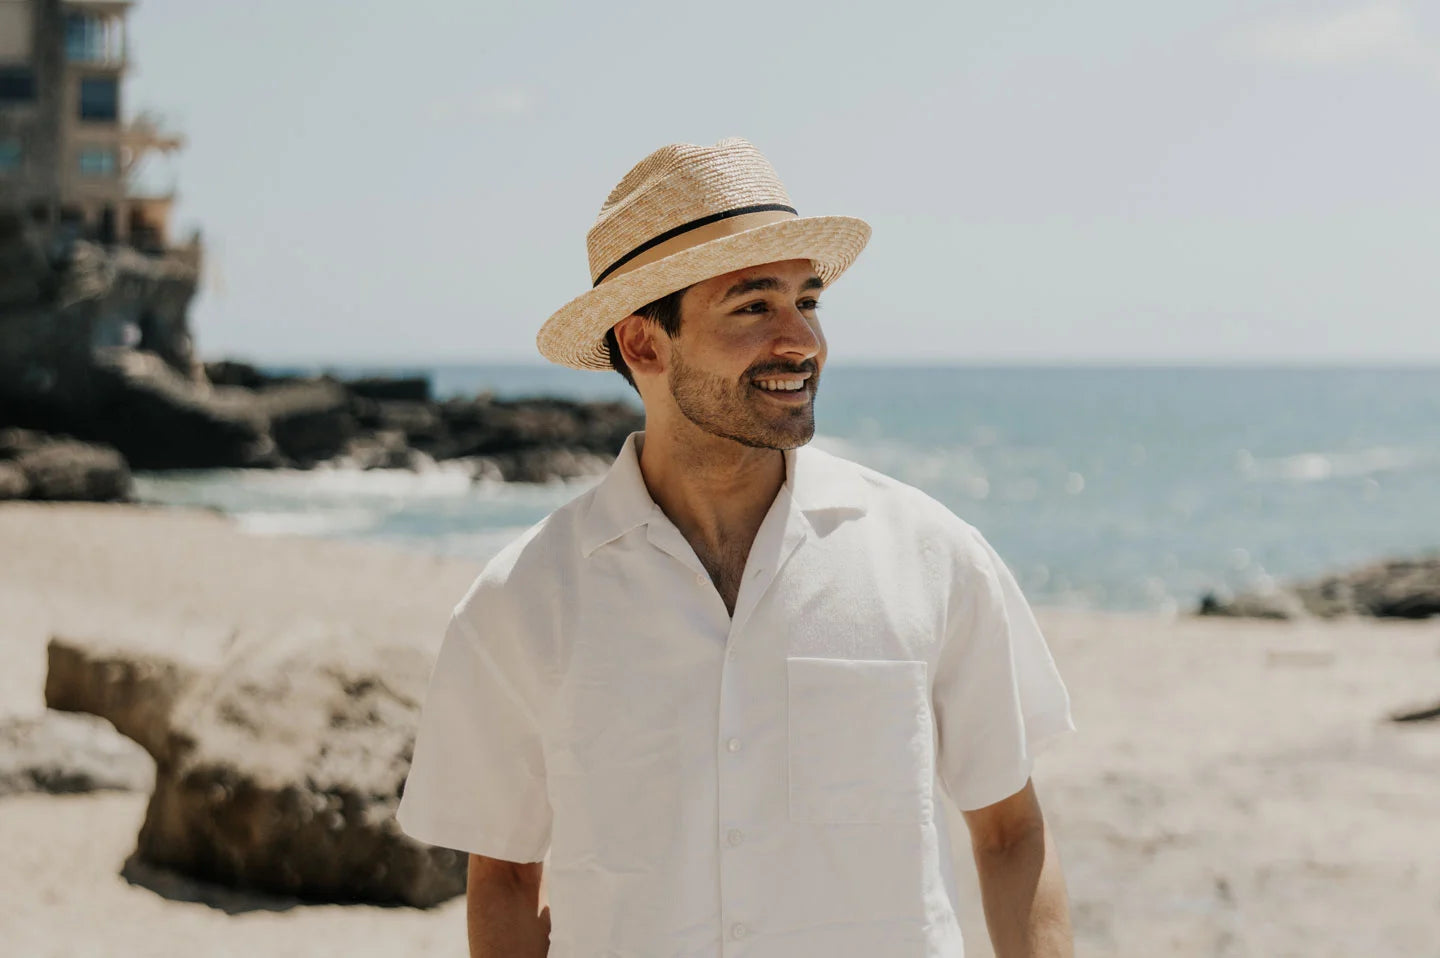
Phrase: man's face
(746, 364)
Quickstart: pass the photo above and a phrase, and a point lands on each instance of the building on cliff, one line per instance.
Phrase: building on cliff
(89, 275)
(67, 153)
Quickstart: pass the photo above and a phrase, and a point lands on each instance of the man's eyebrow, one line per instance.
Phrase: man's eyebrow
(766, 284)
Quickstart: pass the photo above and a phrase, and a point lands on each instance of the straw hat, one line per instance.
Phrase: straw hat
(684, 214)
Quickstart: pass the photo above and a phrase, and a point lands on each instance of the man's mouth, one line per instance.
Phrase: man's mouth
(782, 383)
(789, 388)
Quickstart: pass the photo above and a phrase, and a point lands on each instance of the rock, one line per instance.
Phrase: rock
(278, 766)
(483, 427)
(1267, 605)
(382, 449)
(60, 752)
(133, 689)
(25, 272)
(160, 420)
(1398, 588)
(545, 465)
(1424, 713)
(36, 466)
(76, 471)
(420, 423)
(62, 298)
(230, 372)
(13, 484)
(415, 389)
(309, 420)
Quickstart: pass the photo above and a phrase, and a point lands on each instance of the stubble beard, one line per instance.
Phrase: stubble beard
(732, 410)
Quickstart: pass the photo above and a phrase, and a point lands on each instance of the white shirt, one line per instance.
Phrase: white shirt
(761, 786)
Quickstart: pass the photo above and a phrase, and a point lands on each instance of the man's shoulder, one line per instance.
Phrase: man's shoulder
(525, 567)
(887, 498)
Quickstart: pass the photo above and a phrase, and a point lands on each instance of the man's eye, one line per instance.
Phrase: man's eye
(809, 304)
(756, 308)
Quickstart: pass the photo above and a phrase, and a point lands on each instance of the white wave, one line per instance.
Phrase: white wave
(308, 523)
(1320, 466)
(443, 482)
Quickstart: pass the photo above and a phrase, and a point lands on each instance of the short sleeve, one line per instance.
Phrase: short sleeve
(997, 693)
(477, 778)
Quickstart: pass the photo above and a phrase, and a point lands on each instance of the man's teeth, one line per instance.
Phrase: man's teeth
(781, 385)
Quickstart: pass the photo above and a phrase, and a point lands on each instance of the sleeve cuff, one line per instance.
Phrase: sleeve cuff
(511, 847)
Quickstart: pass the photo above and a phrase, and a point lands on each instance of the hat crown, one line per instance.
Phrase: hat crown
(677, 185)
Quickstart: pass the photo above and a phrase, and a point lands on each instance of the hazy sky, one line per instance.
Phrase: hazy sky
(1048, 181)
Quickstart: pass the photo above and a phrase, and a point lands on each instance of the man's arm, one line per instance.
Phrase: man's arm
(1021, 884)
(502, 907)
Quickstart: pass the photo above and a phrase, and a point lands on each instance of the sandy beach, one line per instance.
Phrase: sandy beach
(1235, 788)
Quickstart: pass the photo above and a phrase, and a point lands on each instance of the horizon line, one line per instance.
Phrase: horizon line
(894, 363)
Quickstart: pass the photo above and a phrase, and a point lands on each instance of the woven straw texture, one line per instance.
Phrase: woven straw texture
(674, 186)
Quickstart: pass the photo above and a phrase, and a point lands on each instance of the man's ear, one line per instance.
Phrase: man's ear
(636, 337)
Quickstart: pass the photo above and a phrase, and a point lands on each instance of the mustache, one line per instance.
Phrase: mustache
(761, 372)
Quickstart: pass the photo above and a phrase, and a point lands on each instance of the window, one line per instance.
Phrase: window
(99, 98)
(17, 85)
(9, 155)
(89, 39)
(97, 161)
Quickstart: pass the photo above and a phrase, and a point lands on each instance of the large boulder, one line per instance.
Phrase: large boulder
(310, 421)
(487, 427)
(279, 762)
(36, 466)
(161, 420)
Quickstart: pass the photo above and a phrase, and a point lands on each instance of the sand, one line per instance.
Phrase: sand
(1235, 787)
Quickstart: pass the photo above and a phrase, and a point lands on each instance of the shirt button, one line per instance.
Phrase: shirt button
(733, 745)
(735, 836)
(699, 579)
(730, 654)
(738, 930)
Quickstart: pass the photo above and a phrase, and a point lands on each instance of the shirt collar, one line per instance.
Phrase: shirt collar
(815, 481)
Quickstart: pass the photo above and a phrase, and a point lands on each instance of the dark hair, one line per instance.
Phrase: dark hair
(663, 312)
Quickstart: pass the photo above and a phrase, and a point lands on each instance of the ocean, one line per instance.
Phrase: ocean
(1116, 488)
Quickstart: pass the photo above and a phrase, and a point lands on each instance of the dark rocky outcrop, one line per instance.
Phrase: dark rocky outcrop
(37, 466)
(415, 389)
(160, 420)
(1397, 588)
(309, 421)
(279, 761)
(229, 372)
(95, 345)
(61, 301)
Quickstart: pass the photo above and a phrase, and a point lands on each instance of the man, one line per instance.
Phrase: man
(714, 701)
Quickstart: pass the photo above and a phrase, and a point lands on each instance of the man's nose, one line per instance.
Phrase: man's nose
(798, 335)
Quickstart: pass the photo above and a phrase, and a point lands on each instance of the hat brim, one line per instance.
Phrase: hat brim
(575, 335)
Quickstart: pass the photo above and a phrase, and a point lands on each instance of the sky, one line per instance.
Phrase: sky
(1122, 181)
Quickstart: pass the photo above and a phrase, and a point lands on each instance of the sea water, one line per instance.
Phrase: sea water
(1123, 488)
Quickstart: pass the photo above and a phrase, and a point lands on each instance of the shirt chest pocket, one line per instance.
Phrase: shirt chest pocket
(860, 743)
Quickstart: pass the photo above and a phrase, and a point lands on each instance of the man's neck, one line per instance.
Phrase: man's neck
(716, 491)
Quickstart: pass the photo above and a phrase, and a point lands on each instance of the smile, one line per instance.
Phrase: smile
(788, 390)
(781, 385)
